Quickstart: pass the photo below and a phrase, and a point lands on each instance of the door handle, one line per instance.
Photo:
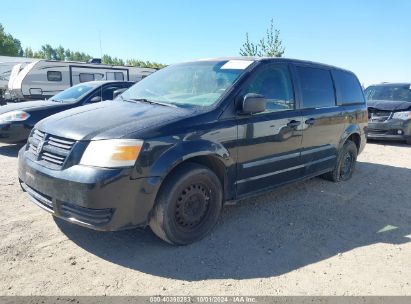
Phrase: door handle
(293, 123)
(310, 121)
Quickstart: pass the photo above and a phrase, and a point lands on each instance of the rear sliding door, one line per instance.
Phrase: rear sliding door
(323, 121)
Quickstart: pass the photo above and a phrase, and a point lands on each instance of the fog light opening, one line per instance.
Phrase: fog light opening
(399, 132)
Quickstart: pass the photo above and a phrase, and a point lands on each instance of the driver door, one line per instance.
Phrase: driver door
(269, 143)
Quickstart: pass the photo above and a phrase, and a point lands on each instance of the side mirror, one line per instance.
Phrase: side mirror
(95, 99)
(118, 92)
(253, 103)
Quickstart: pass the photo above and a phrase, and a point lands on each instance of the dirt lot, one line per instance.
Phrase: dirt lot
(310, 238)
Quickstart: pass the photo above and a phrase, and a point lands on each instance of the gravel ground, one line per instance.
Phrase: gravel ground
(310, 238)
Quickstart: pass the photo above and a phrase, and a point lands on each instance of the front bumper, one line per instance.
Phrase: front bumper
(393, 129)
(97, 198)
(14, 133)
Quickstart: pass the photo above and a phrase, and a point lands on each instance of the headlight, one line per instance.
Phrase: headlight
(14, 116)
(112, 153)
(402, 115)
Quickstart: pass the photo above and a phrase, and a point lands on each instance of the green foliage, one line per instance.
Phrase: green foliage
(115, 61)
(249, 48)
(145, 64)
(269, 46)
(60, 53)
(28, 52)
(9, 46)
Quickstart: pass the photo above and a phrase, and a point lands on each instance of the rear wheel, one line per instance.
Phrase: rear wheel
(188, 205)
(345, 164)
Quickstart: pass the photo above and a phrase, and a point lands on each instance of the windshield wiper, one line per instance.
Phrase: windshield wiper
(57, 100)
(153, 102)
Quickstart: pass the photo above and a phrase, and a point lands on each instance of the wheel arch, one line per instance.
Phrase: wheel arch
(208, 154)
(352, 133)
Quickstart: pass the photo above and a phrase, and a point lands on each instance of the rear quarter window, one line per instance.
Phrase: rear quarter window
(317, 87)
(348, 88)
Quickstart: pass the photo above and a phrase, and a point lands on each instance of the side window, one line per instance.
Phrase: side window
(110, 76)
(98, 76)
(119, 76)
(84, 77)
(348, 88)
(107, 93)
(317, 87)
(54, 76)
(115, 76)
(275, 85)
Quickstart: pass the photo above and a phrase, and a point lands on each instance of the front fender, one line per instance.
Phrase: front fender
(186, 150)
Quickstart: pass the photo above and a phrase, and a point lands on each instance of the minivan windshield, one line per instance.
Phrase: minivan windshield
(389, 92)
(73, 94)
(194, 84)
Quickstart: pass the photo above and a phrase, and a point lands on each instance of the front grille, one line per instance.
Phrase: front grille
(375, 115)
(94, 217)
(50, 150)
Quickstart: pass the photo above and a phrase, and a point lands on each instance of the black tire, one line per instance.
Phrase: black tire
(188, 205)
(408, 141)
(345, 164)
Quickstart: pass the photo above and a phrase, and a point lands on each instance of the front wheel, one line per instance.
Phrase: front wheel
(345, 164)
(188, 205)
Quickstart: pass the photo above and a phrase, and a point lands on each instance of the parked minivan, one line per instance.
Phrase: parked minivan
(191, 137)
(389, 111)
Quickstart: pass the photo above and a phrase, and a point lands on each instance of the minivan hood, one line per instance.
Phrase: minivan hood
(389, 105)
(29, 105)
(109, 119)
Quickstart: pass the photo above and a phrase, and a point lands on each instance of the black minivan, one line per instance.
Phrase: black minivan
(191, 137)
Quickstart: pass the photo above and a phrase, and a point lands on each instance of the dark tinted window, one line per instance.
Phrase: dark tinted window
(275, 85)
(348, 88)
(108, 92)
(317, 87)
(54, 76)
(84, 77)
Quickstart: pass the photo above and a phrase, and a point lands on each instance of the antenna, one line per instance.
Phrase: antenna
(101, 49)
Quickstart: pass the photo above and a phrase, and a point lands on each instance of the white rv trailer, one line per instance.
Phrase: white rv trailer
(6, 67)
(44, 78)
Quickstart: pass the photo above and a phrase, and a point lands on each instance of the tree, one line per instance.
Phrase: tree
(48, 52)
(115, 61)
(106, 59)
(249, 48)
(144, 64)
(269, 46)
(60, 53)
(28, 52)
(9, 46)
